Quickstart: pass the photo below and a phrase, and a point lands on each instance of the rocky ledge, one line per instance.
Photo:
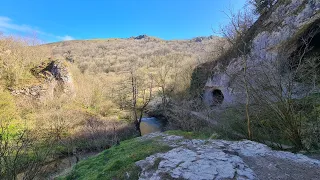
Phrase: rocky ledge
(220, 159)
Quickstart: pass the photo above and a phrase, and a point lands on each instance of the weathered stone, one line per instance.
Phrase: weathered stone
(220, 159)
(286, 23)
(57, 81)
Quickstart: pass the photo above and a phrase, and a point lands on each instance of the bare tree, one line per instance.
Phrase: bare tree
(165, 72)
(282, 95)
(20, 148)
(236, 33)
(143, 94)
(262, 6)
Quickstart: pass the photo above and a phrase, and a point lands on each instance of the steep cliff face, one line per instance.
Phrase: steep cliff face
(60, 77)
(277, 34)
(56, 80)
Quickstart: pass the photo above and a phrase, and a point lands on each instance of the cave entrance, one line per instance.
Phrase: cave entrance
(217, 97)
(307, 60)
(315, 42)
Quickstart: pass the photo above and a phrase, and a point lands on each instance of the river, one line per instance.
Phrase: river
(149, 125)
(63, 166)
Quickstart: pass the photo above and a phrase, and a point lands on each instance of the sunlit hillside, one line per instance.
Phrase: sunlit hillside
(223, 90)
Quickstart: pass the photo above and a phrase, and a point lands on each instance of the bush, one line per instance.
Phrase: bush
(262, 6)
(20, 149)
(16, 60)
(7, 107)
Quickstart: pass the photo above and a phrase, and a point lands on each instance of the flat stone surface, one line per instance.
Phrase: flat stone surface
(219, 159)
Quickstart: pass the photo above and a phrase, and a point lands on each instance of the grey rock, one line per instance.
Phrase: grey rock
(294, 17)
(219, 159)
(58, 82)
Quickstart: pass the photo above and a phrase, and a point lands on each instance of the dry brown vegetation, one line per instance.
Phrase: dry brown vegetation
(104, 70)
(100, 114)
(17, 57)
(109, 62)
(115, 55)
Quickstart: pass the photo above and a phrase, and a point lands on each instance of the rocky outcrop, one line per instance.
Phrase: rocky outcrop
(219, 159)
(145, 38)
(141, 37)
(202, 38)
(35, 91)
(276, 34)
(57, 72)
(55, 80)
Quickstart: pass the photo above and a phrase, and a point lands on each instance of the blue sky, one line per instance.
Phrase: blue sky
(57, 20)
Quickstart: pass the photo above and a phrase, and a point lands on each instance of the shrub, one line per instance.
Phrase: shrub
(262, 6)
(16, 60)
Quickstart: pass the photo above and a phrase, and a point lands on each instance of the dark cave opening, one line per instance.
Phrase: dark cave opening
(305, 60)
(311, 59)
(315, 42)
(217, 97)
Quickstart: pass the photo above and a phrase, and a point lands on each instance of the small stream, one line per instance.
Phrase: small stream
(62, 166)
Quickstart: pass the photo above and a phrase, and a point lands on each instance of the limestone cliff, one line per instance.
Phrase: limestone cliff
(277, 34)
(55, 80)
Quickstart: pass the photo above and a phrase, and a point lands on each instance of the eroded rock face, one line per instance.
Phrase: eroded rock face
(34, 91)
(62, 76)
(220, 159)
(56, 80)
(286, 23)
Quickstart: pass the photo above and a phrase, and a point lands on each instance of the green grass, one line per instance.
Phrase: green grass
(117, 161)
(193, 134)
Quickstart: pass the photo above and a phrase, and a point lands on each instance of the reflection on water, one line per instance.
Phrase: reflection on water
(149, 125)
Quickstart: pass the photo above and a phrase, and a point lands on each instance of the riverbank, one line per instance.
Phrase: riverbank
(165, 156)
(63, 165)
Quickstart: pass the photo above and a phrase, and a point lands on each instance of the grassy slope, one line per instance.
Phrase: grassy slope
(99, 76)
(117, 161)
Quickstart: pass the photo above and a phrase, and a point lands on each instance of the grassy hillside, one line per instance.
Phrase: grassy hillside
(100, 113)
(102, 68)
(114, 55)
(112, 60)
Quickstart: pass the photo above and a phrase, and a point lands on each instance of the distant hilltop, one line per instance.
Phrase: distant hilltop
(195, 39)
(146, 38)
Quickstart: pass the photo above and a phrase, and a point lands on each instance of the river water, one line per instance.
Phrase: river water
(150, 125)
(62, 166)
